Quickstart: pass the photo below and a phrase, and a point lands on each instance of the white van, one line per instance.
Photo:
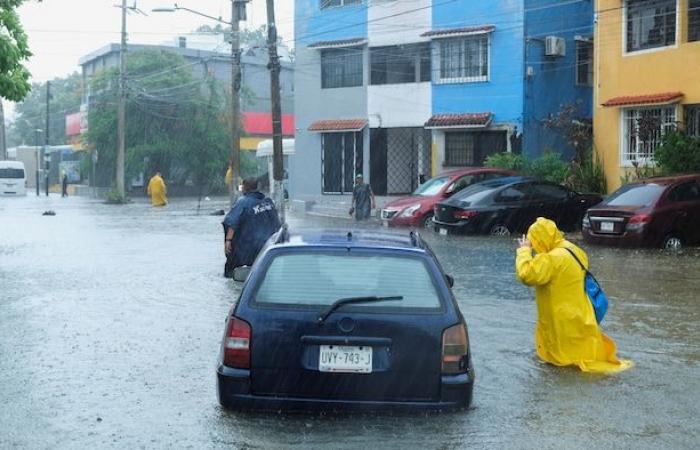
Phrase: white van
(13, 178)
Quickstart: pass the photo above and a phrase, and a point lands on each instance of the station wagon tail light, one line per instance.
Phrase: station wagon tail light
(237, 343)
(637, 222)
(455, 346)
(462, 214)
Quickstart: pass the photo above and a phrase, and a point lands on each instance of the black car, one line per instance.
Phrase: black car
(507, 205)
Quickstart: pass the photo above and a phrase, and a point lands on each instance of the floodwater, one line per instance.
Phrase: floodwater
(111, 317)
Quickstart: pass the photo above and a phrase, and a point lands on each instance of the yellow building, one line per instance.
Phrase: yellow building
(647, 69)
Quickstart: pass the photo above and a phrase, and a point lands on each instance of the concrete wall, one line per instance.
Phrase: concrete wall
(398, 22)
(502, 95)
(553, 81)
(618, 73)
(313, 24)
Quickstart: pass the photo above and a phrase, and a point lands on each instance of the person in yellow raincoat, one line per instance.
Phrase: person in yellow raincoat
(566, 333)
(157, 190)
(228, 178)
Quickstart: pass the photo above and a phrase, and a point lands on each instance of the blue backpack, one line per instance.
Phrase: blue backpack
(595, 293)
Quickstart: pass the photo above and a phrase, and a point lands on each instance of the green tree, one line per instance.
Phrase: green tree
(14, 52)
(66, 94)
(678, 153)
(176, 123)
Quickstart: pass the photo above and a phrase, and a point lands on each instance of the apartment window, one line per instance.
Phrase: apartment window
(650, 24)
(333, 3)
(341, 67)
(400, 64)
(692, 120)
(693, 20)
(464, 59)
(470, 148)
(642, 132)
(584, 63)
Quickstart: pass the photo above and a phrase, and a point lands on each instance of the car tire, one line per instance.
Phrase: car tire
(427, 221)
(500, 230)
(672, 242)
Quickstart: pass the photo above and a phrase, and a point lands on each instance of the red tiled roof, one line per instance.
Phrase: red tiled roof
(260, 123)
(338, 125)
(463, 120)
(664, 97)
(447, 32)
(339, 43)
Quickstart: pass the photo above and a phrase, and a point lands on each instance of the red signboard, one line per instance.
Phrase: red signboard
(73, 124)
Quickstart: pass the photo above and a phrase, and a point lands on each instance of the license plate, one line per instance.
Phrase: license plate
(345, 358)
(443, 231)
(607, 227)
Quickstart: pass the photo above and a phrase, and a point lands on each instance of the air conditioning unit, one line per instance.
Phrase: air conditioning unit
(554, 46)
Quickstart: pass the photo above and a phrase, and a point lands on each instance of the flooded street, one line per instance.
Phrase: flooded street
(111, 319)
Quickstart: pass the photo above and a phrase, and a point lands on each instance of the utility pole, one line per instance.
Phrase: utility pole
(277, 155)
(121, 109)
(46, 138)
(3, 143)
(237, 14)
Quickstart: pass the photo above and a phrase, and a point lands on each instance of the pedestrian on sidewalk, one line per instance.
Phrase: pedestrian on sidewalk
(158, 190)
(567, 333)
(64, 185)
(249, 224)
(362, 199)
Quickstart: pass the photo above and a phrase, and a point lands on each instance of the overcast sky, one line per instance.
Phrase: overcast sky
(61, 31)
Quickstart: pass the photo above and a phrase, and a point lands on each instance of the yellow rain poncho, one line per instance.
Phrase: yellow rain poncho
(157, 191)
(567, 332)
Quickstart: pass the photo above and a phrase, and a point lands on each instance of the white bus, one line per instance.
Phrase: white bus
(12, 178)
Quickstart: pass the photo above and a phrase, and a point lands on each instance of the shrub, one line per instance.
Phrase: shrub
(588, 175)
(548, 167)
(113, 197)
(505, 161)
(678, 153)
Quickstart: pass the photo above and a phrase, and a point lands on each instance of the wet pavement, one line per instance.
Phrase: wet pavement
(111, 317)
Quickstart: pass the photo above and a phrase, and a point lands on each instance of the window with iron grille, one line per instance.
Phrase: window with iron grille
(341, 67)
(642, 132)
(584, 63)
(464, 59)
(334, 3)
(692, 120)
(400, 64)
(693, 20)
(470, 148)
(650, 24)
(341, 161)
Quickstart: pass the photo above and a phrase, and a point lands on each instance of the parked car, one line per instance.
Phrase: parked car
(506, 205)
(657, 212)
(13, 178)
(416, 210)
(345, 321)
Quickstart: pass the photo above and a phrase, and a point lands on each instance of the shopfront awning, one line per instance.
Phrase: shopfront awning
(341, 43)
(461, 31)
(338, 125)
(460, 120)
(647, 99)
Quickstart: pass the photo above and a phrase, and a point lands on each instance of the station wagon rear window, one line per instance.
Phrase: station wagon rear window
(319, 279)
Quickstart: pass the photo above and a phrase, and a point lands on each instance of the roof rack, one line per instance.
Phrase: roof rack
(282, 234)
(416, 239)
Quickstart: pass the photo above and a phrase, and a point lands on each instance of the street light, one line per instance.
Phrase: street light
(237, 14)
(37, 132)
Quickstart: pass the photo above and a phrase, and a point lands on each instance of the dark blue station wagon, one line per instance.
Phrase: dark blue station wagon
(339, 321)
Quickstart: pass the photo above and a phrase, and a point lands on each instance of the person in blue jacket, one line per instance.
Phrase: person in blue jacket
(249, 224)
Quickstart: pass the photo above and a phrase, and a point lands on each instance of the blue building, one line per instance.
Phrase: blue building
(400, 91)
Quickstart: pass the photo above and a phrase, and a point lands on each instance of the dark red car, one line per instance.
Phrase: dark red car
(416, 210)
(657, 212)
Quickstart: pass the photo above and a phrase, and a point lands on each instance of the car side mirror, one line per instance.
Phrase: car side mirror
(450, 190)
(241, 274)
(450, 280)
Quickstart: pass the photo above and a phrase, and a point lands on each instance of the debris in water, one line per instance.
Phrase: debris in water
(218, 212)
(49, 213)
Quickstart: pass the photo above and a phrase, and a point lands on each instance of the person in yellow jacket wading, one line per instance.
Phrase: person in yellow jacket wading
(157, 190)
(567, 333)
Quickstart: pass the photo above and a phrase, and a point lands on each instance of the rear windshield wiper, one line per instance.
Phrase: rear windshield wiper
(350, 300)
